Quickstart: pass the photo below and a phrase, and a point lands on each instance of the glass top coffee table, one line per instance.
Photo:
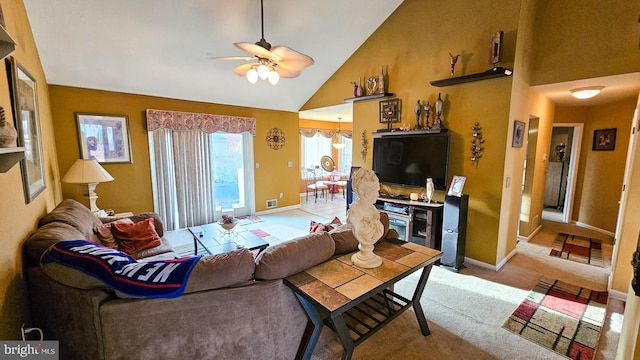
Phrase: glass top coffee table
(356, 302)
(217, 240)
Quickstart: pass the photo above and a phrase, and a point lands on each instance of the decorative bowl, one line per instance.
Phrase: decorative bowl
(229, 225)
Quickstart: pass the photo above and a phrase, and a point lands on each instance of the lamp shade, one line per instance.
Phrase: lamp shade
(86, 171)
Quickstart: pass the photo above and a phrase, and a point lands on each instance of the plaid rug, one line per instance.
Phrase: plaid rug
(578, 248)
(249, 219)
(561, 317)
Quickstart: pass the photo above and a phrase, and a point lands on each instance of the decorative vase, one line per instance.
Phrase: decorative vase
(359, 88)
(429, 190)
(8, 133)
(381, 81)
(364, 218)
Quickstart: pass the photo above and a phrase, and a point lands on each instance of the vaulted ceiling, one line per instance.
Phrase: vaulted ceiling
(161, 47)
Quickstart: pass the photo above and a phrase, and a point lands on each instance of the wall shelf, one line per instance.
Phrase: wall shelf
(368, 97)
(489, 74)
(7, 45)
(10, 157)
(396, 132)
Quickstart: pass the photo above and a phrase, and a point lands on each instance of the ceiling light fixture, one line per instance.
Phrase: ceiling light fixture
(338, 145)
(586, 92)
(265, 70)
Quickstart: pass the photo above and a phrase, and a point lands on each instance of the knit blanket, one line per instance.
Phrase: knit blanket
(117, 270)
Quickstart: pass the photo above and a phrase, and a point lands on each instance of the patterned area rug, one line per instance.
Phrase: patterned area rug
(561, 317)
(249, 219)
(578, 248)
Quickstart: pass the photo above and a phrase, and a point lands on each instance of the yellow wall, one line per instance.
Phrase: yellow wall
(131, 189)
(413, 45)
(600, 173)
(18, 219)
(585, 39)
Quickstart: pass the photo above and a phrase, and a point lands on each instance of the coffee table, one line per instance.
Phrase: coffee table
(356, 302)
(216, 240)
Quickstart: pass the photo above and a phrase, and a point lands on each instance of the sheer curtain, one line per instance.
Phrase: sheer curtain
(181, 169)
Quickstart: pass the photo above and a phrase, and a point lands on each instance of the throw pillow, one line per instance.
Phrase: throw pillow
(104, 234)
(132, 238)
(318, 227)
(293, 256)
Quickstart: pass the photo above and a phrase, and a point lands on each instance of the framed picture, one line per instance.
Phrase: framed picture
(104, 137)
(389, 111)
(25, 115)
(604, 139)
(518, 134)
(457, 184)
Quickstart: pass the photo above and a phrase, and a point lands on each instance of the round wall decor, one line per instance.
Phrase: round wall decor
(275, 138)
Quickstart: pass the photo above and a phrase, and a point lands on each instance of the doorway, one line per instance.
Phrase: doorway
(562, 168)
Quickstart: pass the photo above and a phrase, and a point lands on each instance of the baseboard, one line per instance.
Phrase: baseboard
(506, 259)
(587, 226)
(533, 233)
(477, 263)
(277, 210)
(618, 295)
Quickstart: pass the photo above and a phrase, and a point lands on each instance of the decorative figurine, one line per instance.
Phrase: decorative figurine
(438, 119)
(429, 190)
(476, 144)
(372, 84)
(427, 112)
(495, 48)
(381, 81)
(364, 218)
(418, 112)
(453, 60)
(364, 143)
(355, 88)
(8, 133)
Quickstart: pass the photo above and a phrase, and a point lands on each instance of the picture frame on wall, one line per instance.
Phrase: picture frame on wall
(518, 134)
(604, 140)
(389, 111)
(104, 137)
(24, 100)
(457, 185)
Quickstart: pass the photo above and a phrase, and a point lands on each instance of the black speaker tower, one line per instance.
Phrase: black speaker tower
(454, 231)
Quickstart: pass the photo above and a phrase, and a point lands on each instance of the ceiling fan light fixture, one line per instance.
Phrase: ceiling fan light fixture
(252, 76)
(586, 92)
(274, 77)
(263, 71)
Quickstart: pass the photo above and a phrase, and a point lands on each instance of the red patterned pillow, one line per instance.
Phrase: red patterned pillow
(132, 238)
(318, 227)
(103, 232)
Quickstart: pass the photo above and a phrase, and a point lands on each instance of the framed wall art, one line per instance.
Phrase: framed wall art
(25, 114)
(518, 134)
(104, 137)
(604, 139)
(389, 111)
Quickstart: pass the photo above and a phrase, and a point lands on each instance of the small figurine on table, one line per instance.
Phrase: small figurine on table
(418, 112)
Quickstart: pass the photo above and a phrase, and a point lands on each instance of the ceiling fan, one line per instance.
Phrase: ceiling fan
(268, 62)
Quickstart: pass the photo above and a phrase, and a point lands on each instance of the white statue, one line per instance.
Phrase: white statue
(364, 218)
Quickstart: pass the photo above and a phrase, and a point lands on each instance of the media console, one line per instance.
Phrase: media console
(440, 226)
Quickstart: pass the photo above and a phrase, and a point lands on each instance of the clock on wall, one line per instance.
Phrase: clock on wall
(390, 111)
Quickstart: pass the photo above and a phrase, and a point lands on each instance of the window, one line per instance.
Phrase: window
(313, 148)
(345, 156)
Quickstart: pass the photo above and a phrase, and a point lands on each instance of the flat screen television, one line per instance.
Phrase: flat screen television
(411, 159)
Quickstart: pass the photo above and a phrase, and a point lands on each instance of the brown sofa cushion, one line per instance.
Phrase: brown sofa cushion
(75, 214)
(48, 235)
(222, 270)
(293, 256)
(344, 239)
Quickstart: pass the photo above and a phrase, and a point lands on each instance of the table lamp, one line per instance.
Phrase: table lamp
(90, 173)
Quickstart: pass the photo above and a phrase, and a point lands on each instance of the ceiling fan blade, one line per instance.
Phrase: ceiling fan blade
(242, 69)
(257, 50)
(245, 58)
(291, 56)
(286, 72)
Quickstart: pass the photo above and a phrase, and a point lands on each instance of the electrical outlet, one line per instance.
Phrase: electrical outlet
(281, 195)
(257, 165)
(290, 164)
(508, 182)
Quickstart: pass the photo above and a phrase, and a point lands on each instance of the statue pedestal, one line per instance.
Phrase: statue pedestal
(365, 258)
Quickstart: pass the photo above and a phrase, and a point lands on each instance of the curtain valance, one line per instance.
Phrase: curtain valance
(185, 121)
(326, 133)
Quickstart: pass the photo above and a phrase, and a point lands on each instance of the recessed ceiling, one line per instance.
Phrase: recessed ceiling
(160, 48)
(616, 87)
